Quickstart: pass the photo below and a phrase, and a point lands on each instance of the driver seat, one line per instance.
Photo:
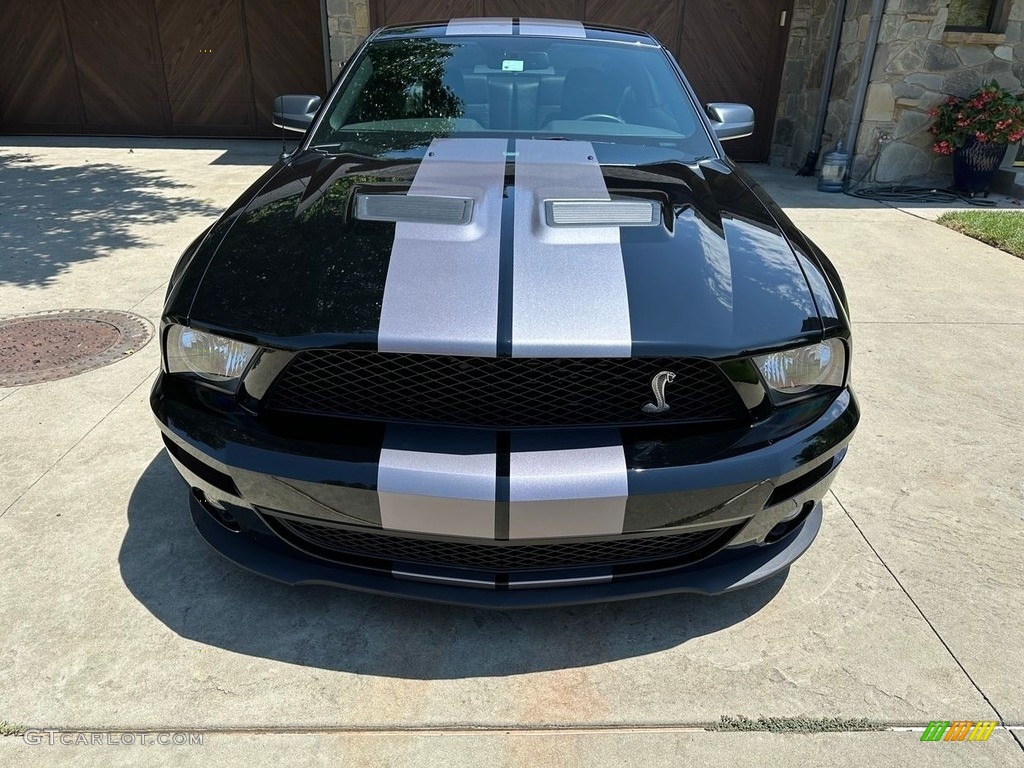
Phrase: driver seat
(589, 91)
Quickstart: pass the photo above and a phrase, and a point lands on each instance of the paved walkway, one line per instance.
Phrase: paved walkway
(113, 614)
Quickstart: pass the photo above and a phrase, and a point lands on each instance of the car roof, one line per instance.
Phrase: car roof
(500, 26)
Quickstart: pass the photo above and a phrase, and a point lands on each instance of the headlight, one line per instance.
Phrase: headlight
(210, 357)
(798, 371)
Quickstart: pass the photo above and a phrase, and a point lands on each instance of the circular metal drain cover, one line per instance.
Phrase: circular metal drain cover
(54, 345)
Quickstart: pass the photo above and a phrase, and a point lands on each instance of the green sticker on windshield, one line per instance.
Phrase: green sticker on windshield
(511, 65)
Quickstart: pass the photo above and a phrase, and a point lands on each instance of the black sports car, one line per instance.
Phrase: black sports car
(507, 329)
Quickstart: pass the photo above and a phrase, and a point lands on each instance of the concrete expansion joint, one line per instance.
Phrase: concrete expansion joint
(927, 621)
(802, 725)
(145, 380)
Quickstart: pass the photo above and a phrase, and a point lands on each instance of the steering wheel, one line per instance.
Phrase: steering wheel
(602, 116)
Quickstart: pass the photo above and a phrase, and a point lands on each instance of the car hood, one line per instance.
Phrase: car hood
(297, 267)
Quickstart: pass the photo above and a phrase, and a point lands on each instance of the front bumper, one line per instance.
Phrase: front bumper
(724, 572)
(756, 493)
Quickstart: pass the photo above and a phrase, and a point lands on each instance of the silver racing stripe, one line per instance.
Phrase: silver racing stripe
(529, 582)
(435, 578)
(441, 292)
(570, 491)
(568, 283)
(480, 26)
(551, 28)
(424, 489)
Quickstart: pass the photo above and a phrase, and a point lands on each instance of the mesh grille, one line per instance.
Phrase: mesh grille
(498, 556)
(500, 392)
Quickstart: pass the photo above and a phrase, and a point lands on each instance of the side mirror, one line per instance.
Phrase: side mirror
(295, 112)
(731, 121)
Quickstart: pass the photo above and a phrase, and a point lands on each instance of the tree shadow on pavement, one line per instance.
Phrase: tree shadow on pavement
(201, 596)
(53, 216)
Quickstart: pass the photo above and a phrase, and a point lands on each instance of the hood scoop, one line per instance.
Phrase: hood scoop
(418, 209)
(602, 213)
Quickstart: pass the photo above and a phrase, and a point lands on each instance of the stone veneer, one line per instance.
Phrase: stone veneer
(917, 64)
(809, 32)
(348, 22)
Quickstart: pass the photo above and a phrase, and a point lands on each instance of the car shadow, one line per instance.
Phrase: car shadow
(54, 216)
(201, 596)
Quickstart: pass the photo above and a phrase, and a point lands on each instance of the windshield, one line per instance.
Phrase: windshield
(406, 91)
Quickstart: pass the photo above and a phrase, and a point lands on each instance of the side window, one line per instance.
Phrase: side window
(977, 15)
(405, 79)
(353, 91)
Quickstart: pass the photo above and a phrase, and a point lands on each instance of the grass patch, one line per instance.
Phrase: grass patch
(1002, 229)
(10, 729)
(795, 724)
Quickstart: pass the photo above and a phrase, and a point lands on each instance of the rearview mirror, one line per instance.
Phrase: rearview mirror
(731, 121)
(295, 112)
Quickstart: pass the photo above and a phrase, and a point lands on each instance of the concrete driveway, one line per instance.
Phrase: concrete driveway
(115, 616)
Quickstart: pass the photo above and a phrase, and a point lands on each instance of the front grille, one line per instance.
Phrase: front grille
(334, 543)
(500, 392)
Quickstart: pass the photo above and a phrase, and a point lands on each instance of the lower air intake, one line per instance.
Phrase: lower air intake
(335, 543)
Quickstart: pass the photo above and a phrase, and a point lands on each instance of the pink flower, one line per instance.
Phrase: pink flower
(981, 137)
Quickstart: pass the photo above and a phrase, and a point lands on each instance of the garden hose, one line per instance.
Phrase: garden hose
(911, 194)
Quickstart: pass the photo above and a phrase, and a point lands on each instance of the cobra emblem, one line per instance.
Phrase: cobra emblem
(658, 383)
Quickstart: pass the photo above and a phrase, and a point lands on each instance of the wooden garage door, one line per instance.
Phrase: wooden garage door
(155, 67)
(38, 83)
(208, 83)
(731, 50)
(734, 50)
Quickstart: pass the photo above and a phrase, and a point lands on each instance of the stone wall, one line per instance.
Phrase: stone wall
(809, 32)
(809, 38)
(917, 64)
(852, 46)
(348, 22)
(801, 79)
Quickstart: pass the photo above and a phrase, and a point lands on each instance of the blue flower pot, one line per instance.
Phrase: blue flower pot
(974, 165)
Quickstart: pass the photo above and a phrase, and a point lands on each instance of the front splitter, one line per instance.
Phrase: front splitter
(726, 571)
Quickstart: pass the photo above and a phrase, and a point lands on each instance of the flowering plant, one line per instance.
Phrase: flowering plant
(991, 114)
